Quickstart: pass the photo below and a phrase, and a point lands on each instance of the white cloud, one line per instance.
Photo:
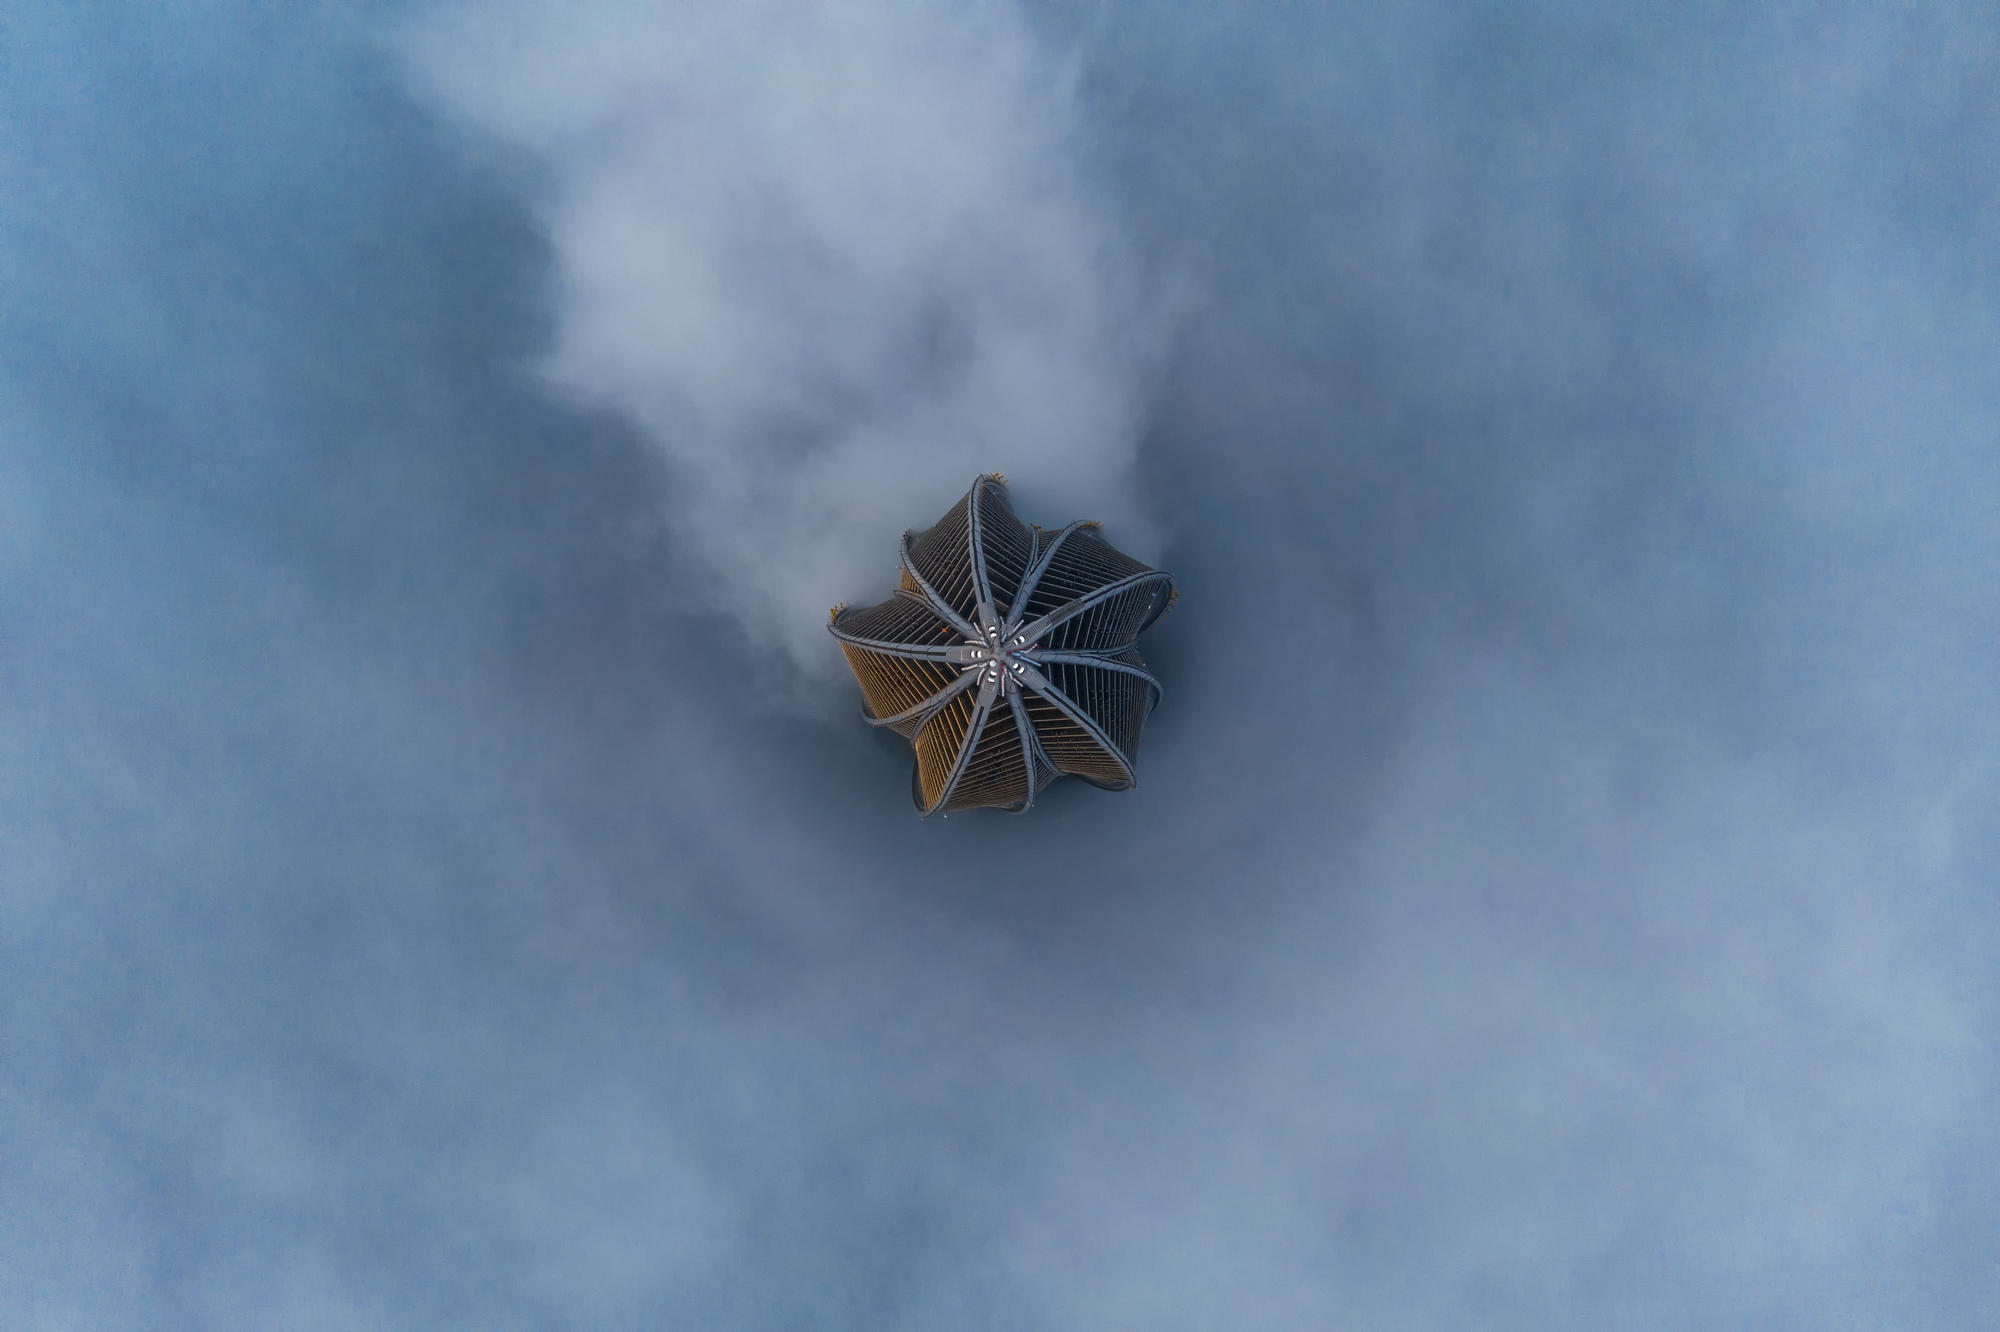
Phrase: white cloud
(834, 260)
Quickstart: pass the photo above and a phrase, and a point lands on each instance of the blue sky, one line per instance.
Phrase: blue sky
(444, 881)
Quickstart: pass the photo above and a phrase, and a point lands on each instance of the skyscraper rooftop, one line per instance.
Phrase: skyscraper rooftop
(1008, 655)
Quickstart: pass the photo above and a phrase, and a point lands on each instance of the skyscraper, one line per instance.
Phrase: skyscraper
(1008, 656)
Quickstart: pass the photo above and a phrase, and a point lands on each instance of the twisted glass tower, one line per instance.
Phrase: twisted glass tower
(1008, 656)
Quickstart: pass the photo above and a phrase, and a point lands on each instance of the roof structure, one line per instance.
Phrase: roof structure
(1008, 655)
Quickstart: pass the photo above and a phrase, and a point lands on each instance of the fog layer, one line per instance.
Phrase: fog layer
(1559, 891)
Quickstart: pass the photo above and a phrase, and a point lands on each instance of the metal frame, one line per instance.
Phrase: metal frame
(1062, 657)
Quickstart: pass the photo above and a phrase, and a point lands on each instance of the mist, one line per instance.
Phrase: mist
(444, 881)
(830, 259)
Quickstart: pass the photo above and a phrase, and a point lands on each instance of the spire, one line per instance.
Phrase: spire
(1008, 656)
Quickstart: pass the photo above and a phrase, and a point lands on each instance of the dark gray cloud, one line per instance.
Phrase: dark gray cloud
(1560, 888)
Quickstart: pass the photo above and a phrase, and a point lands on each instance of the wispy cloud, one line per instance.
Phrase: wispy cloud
(833, 259)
